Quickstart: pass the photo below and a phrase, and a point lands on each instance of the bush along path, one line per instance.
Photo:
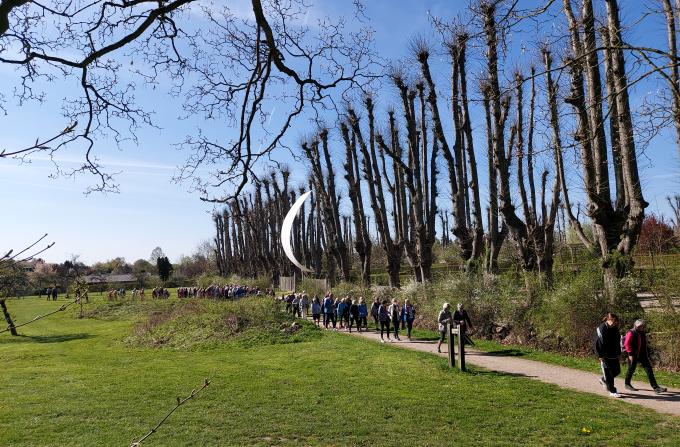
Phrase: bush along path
(583, 381)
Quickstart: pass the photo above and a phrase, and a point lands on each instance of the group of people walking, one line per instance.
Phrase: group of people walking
(217, 291)
(608, 347)
(352, 313)
(51, 293)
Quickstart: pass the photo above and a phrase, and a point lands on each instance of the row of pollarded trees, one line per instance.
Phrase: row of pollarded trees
(392, 160)
(248, 233)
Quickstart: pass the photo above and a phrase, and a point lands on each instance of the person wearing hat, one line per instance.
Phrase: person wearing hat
(445, 318)
(635, 345)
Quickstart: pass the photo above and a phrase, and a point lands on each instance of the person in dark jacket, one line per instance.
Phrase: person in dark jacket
(374, 313)
(354, 316)
(635, 345)
(384, 317)
(461, 318)
(608, 350)
(408, 315)
(316, 310)
(395, 311)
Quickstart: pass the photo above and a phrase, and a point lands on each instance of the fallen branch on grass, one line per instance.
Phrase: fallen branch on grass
(180, 402)
(40, 317)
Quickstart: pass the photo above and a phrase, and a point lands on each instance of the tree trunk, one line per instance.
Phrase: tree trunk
(8, 318)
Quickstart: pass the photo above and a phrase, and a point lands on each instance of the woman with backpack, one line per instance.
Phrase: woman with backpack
(394, 312)
(408, 315)
(384, 317)
(635, 345)
(608, 349)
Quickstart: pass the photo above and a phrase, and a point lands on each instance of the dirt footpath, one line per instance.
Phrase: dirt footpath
(574, 379)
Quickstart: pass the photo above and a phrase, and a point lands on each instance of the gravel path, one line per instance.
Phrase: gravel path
(574, 379)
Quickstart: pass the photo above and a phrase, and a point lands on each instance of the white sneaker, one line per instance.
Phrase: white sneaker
(382, 341)
(617, 395)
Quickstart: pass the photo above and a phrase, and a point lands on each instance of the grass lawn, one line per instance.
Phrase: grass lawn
(69, 381)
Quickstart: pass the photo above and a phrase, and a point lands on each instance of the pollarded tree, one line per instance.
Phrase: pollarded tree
(371, 160)
(362, 243)
(617, 224)
(324, 186)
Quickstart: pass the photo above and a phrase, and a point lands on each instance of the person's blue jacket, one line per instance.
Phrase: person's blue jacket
(363, 310)
(328, 305)
(316, 307)
(408, 315)
(341, 308)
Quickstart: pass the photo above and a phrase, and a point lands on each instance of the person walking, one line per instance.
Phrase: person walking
(328, 311)
(444, 319)
(408, 315)
(395, 313)
(316, 310)
(607, 346)
(363, 313)
(461, 318)
(346, 313)
(374, 313)
(296, 305)
(304, 305)
(341, 313)
(637, 351)
(48, 293)
(384, 317)
(54, 294)
(354, 316)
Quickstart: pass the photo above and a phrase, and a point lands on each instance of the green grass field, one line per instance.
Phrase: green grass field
(69, 381)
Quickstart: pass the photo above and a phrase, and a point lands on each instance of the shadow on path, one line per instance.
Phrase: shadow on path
(501, 353)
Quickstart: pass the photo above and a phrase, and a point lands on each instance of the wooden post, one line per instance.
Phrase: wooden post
(461, 347)
(452, 354)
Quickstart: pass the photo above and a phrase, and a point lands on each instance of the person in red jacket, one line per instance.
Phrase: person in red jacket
(635, 344)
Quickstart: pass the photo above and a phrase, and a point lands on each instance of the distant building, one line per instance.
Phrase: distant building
(124, 279)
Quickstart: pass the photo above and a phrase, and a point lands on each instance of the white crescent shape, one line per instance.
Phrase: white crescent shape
(287, 229)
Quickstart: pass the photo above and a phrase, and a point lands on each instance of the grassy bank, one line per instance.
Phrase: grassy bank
(70, 381)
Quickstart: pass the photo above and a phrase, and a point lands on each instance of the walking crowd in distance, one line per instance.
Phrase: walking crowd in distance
(353, 313)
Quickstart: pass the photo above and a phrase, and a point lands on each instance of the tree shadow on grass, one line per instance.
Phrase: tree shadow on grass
(56, 338)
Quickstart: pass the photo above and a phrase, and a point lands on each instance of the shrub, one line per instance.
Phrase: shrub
(194, 323)
(664, 337)
(568, 315)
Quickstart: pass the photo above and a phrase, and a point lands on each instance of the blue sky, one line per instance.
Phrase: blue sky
(151, 210)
